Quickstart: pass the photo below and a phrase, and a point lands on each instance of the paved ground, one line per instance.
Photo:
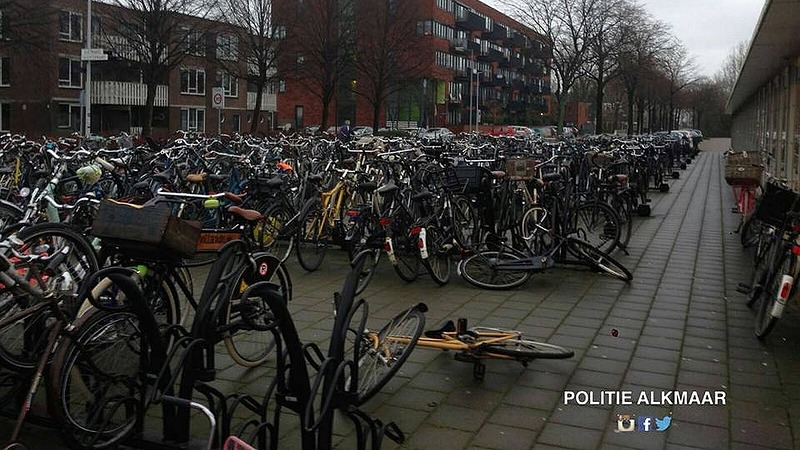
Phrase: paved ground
(681, 327)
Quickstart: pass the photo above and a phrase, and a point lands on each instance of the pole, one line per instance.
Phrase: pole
(87, 92)
(219, 121)
(470, 100)
(477, 100)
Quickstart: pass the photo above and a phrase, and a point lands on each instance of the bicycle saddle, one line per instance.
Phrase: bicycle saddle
(437, 333)
(422, 195)
(497, 174)
(367, 186)
(388, 188)
(196, 177)
(250, 215)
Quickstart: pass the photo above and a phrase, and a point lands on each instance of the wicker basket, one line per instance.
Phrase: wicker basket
(521, 169)
(774, 204)
(743, 169)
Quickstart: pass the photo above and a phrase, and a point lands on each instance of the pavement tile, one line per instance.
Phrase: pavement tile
(496, 436)
(764, 433)
(569, 436)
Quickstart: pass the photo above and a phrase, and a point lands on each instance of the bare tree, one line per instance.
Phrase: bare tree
(323, 39)
(729, 72)
(25, 26)
(611, 27)
(645, 42)
(680, 71)
(260, 40)
(158, 35)
(387, 58)
(566, 25)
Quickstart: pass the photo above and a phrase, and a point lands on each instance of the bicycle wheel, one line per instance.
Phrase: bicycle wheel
(524, 350)
(100, 383)
(749, 231)
(21, 340)
(271, 234)
(464, 218)
(599, 259)
(494, 270)
(764, 256)
(371, 258)
(597, 224)
(406, 254)
(623, 206)
(437, 262)
(535, 229)
(768, 297)
(380, 355)
(250, 339)
(312, 237)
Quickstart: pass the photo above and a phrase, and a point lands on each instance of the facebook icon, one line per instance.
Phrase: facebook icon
(644, 423)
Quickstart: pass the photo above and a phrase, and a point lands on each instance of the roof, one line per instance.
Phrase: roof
(774, 42)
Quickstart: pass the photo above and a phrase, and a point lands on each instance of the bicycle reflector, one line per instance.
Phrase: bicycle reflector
(796, 250)
(783, 295)
(385, 221)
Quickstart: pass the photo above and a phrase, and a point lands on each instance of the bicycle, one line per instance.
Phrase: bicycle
(476, 344)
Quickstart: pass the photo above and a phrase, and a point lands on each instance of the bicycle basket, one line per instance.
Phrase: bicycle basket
(464, 179)
(774, 204)
(743, 169)
(521, 169)
(149, 232)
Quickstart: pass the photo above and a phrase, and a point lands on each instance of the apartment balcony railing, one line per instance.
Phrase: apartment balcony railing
(127, 94)
(468, 20)
(269, 102)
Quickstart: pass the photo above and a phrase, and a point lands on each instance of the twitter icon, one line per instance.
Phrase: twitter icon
(663, 424)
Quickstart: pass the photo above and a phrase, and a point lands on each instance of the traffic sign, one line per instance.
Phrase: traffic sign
(93, 54)
(217, 98)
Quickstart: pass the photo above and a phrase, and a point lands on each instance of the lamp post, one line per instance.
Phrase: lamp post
(477, 99)
(87, 91)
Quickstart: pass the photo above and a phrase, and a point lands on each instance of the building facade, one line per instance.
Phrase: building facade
(479, 66)
(765, 102)
(43, 86)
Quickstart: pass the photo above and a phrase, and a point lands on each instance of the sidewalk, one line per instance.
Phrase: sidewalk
(681, 327)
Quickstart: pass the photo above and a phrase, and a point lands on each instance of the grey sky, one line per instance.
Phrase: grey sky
(708, 28)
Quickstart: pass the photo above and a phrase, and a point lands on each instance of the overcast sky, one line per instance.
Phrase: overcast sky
(708, 28)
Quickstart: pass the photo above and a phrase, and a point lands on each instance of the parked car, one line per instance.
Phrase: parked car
(361, 131)
(502, 130)
(312, 130)
(546, 132)
(437, 134)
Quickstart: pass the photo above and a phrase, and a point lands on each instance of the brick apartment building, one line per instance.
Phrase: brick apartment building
(474, 55)
(42, 85)
(459, 38)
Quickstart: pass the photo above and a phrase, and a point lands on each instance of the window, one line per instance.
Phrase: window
(194, 42)
(69, 116)
(193, 119)
(300, 60)
(446, 5)
(279, 32)
(229, 84)
(236, 123)
(5, 72)
(70, 26)
(3, 24)
(193, 81)
(69, 72)
(282, 86)
(5, 117)
(227, 47)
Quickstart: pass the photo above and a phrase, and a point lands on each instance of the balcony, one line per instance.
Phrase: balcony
(468, 20)
(519, 40)
(512, 62)
(269, 102)
(128, 94)
(490, 55)
(461, 74)
(459, 46)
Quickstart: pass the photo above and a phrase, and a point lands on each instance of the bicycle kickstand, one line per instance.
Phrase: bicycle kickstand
(478, 370)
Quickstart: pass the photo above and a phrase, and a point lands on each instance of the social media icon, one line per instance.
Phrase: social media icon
(625, 422)
(663, 424)
(644, 423)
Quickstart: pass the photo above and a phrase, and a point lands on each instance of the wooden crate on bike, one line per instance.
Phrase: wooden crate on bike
(774, 204)
(521, 169)
(146, 231)
(743, 169)
(466, 179)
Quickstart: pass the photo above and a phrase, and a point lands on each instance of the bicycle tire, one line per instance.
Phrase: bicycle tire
(749, 232)
(375, 370)
(525, 350)
(270, 232)
(597, 223)
(251, 345)
(437, 263)
(764, 320)
(622, 205)
(371, 257)
(599, 259)
(312, 242)
(408, 263)
(464, 217)
(471, 267)
(99, 379)
(20, 341)
(760, 275)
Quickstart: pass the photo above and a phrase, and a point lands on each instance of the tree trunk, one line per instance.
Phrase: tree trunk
(147, 120)
(257, 107)
(630, 112)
